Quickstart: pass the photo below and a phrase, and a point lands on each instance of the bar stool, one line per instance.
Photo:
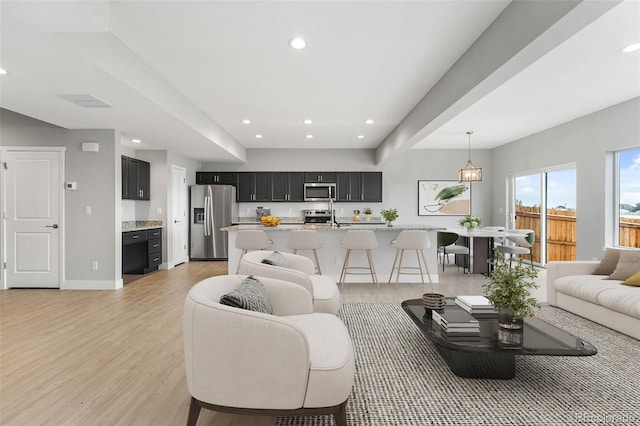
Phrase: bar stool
(251, 240)
(359, 240)
(411, 240)
(305, 240)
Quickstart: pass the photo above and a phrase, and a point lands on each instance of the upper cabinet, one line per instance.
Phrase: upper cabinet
(216, 178)
(287, 186)
(253, 186)
(136, 179)
(325, 177)
(359, 186)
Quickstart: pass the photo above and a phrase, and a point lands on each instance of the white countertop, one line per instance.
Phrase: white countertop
(344, 227)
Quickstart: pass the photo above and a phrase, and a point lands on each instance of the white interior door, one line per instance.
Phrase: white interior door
(180, 229)
(34, 185)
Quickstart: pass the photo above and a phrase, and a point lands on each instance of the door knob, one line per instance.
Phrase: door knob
(54, 226)
(176, 221)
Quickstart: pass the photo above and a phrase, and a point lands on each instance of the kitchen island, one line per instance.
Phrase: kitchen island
(331, 255)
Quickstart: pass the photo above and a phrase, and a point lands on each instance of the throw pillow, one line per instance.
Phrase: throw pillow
(633, 280)
(628, 264)
(275, 259)
(250, 295)
(608, 263)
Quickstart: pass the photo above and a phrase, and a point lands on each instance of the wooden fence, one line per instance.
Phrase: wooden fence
(561, 232)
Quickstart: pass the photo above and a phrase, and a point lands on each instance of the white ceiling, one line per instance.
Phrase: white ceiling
(182, 75)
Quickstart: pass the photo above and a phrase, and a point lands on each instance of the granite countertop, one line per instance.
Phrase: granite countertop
(342, 227)
(140, 225)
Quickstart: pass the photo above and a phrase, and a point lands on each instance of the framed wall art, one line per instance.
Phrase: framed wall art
(443, 198)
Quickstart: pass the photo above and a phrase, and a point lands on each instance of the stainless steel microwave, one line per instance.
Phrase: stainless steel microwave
(319, 191)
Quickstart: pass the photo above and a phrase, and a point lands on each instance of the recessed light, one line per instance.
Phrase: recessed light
(360, 136)
(136, 140)
(259, 136)
(297, 43)
(309, 136)
(631, 48)
(369, 121)
(246, 121)
(307, 121)
(2, 71)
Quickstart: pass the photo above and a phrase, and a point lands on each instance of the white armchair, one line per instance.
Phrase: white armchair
(294, 362)
(300, 270)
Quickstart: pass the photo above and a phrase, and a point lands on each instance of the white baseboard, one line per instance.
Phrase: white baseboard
(92, 284)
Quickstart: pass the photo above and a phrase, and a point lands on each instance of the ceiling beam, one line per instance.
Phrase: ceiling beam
(523, 33)
(113, 56)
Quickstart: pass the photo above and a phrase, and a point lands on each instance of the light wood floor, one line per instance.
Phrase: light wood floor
(116, 357)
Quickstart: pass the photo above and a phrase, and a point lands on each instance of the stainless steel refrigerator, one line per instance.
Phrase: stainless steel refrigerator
(212, 207)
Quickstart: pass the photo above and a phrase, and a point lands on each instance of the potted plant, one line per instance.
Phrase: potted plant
(508, 288)
(389, 215)
(469, 222)
(367, 213)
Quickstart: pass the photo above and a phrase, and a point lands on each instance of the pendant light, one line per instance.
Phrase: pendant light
(470, 173)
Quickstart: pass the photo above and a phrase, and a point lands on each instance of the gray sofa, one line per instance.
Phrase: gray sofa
(574, 286)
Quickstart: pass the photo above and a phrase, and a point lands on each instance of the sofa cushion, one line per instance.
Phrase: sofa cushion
(633, 280)
(608, 263)
(623, 299)
(250, 295)
(585, 287)
(275, 259)
(628, 264)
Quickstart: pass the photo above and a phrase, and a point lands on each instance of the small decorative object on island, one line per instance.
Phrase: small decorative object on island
(356, 215)
(389, 215)
(469, 222)
(367, 213)
(270, 220)
(509, 290)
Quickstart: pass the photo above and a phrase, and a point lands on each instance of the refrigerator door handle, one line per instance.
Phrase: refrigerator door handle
(207, 216)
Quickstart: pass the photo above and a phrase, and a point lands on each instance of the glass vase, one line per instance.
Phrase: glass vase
(506, 319)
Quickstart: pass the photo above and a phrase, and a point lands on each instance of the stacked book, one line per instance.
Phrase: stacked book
(475, 304)
(456, 322)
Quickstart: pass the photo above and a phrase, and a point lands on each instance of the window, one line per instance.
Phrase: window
(545, 202)
(628, 172)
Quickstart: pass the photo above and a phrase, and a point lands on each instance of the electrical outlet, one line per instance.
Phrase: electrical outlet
(159, 210)
(87, 210)
(94, 265)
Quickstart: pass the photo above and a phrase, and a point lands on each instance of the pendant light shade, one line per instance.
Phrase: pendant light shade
(470, 173)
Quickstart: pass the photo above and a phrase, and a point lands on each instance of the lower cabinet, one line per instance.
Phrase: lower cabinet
(141, 251)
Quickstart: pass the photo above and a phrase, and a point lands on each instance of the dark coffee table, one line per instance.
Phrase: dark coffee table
(492, 354)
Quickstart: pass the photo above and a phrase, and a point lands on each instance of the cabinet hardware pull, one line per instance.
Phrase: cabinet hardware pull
(54, 226)
(135, 236)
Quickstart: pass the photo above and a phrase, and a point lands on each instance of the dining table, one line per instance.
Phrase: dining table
(481, 243)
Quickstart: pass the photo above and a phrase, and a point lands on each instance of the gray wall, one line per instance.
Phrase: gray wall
(87, 238)
(588, 142)
(400, 179)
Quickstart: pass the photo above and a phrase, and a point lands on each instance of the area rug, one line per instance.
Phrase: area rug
(401, 379)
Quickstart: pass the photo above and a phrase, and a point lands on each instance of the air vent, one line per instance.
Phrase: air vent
(86, 101)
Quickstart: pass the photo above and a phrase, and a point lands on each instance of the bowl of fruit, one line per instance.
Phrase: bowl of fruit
(270, 220)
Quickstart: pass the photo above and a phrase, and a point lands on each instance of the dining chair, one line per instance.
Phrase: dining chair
(447, 245)
(521, 240)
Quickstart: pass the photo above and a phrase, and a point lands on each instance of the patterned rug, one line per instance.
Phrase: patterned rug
(401, 379)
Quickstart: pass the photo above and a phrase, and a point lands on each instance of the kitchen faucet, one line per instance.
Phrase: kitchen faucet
(333, 214)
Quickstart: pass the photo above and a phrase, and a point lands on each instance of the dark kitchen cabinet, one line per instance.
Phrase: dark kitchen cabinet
(371, 186)
(325, 177)
(213, 178)
(136, 179)
(253, 186)
(359, 186)
(287, 186)
(141, 251)
(348, 186)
